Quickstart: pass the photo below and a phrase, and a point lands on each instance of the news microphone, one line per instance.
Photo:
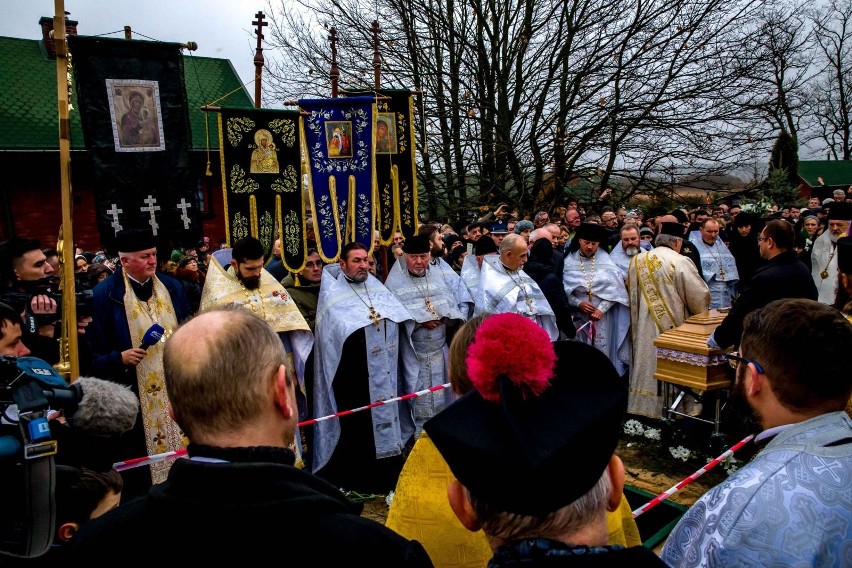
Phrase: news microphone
(152, 336)
(105, 409)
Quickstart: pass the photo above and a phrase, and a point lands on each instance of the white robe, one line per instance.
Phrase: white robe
(426, 355)
(822, 259)
(609, 295)
(665, 289)
(720, 278)
(341, 311)
(500, 292)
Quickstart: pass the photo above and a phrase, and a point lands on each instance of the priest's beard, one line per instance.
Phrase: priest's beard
(631, 251)
(741, 412)
(437, 252)
(250, 282)
(833, 238)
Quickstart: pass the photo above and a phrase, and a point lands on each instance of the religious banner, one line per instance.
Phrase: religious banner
(260, 150)
(396, 171)
(339, 141)
(133, 109)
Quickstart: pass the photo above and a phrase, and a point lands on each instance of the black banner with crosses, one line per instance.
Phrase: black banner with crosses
(133, 109)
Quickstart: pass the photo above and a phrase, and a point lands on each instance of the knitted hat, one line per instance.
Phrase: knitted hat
(523, 225)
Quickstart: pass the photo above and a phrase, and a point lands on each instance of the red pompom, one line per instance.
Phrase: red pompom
(511, 345)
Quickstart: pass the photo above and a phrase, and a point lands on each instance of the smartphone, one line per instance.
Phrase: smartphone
(470, 249)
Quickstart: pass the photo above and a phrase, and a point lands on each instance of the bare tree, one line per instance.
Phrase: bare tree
(523, 98)
(832, 96)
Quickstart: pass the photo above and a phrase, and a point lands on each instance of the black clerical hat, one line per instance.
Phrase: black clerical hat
(844, 255)
(673, 229)
(840, 211)
(484, 245)
(417, 244)
(592, 232)
(134, 240)
(531, 438)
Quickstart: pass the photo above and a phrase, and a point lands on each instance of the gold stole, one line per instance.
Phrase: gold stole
(162, 434)
(660, 313)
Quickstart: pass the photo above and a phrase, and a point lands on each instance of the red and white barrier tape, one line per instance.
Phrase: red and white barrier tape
(674, 489)
(138, 462)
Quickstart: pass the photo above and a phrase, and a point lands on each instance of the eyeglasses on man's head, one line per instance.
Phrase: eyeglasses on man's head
(734, 360)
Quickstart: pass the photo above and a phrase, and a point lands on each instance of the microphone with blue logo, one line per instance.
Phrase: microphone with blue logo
(152, 336)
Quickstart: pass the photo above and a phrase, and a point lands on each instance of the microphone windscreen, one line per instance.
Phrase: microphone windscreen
(106, 409)
(153, 335)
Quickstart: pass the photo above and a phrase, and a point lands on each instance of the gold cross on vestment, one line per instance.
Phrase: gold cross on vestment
(375, 316)
(431, 309)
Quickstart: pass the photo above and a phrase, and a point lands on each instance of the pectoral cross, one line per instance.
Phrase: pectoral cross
(430, 308)
(375, 316)
(183, 206)
(152, 209)
(114, 211)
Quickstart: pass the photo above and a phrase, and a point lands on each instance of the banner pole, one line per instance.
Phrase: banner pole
(68, 364)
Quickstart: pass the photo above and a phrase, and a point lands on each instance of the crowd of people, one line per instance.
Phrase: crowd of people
(263, 376)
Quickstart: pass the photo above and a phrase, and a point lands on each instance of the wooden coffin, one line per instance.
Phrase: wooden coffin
(683, 357)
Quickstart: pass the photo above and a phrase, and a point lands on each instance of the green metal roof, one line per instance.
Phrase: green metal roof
(832, 172)
(29, 116)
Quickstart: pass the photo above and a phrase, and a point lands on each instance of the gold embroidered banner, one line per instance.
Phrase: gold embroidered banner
(339, 144)
(262, 180)
(396, 170)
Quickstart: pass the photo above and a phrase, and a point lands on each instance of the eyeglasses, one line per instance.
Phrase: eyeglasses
(734, 360)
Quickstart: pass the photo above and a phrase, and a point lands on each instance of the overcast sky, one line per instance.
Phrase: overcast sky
(221, 28)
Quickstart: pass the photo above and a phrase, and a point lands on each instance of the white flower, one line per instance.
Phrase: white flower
(389, 498)
(652, 433)
(633, 428)
(730, 465)
(680, 453)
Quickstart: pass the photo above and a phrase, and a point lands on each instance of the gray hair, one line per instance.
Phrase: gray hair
(567, 520)
(669, 241)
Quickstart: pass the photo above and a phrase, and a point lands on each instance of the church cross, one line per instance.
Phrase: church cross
(151, 209)
(183, 206)
(113, 212)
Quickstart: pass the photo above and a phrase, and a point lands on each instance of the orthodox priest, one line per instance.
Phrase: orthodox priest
(245, 282)
(824, 252)
(664, 289)
(718, 265)
(505, 287)
(359, 327)
(425, 294)
(472, 266)
(597, 294)
(125, 305)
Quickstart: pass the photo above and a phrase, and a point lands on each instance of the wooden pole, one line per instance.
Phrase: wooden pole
(68, 355)
(377, 59)
(127, 33)
(335, 72)
(258, 57)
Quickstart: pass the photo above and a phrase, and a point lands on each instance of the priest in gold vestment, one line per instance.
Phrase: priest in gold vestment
(665, 289)
(246, 283)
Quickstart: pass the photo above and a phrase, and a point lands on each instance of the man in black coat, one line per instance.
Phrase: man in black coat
(783, 276)
(239, 497)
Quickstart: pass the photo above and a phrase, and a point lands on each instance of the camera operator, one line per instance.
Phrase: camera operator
(31, 286)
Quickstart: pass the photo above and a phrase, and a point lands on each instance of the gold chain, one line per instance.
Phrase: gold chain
(374, 315)
(586, 278)
(520, 284)
(824, 273)
(429, 307)
(718, 258)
